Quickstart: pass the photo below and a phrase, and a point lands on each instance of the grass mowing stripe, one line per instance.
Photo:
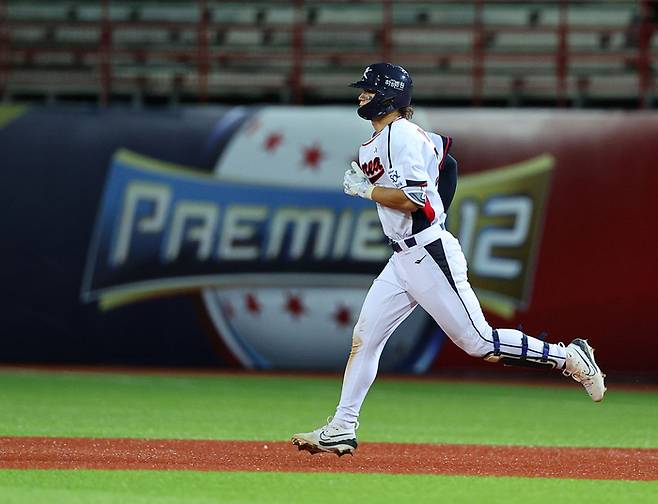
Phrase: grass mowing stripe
(106, 487)
(272, 408)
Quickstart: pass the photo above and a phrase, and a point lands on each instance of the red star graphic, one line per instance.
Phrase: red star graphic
(294, 306)
(343, 316)
(273, 141)
(313, 156)
(252, 303)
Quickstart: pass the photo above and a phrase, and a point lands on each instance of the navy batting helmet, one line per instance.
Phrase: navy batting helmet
(392, 86)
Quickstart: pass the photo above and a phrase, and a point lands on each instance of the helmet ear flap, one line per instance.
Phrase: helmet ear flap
(377, 107)
(388, 105)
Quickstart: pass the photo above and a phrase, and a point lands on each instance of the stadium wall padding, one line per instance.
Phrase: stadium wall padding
(219, 236)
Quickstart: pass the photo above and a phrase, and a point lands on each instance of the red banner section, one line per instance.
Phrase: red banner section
(595, 270)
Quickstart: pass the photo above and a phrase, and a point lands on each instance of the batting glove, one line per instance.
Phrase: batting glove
(356, 183)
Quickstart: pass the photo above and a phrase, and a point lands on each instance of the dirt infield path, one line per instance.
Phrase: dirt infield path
(470, 460)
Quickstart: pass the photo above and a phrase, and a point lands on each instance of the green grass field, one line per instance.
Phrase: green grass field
(105, 487)
(272, 408)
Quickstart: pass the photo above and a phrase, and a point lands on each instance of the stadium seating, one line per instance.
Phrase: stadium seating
(306, 50)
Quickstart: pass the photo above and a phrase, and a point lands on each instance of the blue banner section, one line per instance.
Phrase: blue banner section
(173, 227)
(55, 162)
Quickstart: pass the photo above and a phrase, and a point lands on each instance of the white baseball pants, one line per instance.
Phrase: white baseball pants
(431, 274)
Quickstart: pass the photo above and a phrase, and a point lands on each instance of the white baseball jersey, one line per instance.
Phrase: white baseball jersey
(403, 156)
(429, 271)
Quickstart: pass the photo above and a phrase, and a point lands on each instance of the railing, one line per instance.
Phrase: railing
(208, 58)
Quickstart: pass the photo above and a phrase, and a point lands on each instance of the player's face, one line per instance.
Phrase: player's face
(365, 97)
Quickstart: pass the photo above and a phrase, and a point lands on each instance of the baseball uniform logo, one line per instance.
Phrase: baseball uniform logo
(373, 169)
(394, 176)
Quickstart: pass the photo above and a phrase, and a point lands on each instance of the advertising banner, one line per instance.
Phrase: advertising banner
(221, 236)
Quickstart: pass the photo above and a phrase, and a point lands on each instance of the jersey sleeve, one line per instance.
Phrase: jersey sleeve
(410, 147)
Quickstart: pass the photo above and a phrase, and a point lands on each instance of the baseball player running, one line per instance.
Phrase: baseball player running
(399, 170)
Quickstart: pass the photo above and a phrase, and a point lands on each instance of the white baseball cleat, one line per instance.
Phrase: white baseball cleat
(582, 367)
(332, 438)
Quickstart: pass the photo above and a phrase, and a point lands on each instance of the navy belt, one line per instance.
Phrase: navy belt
(412, 242)
(409, 242)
